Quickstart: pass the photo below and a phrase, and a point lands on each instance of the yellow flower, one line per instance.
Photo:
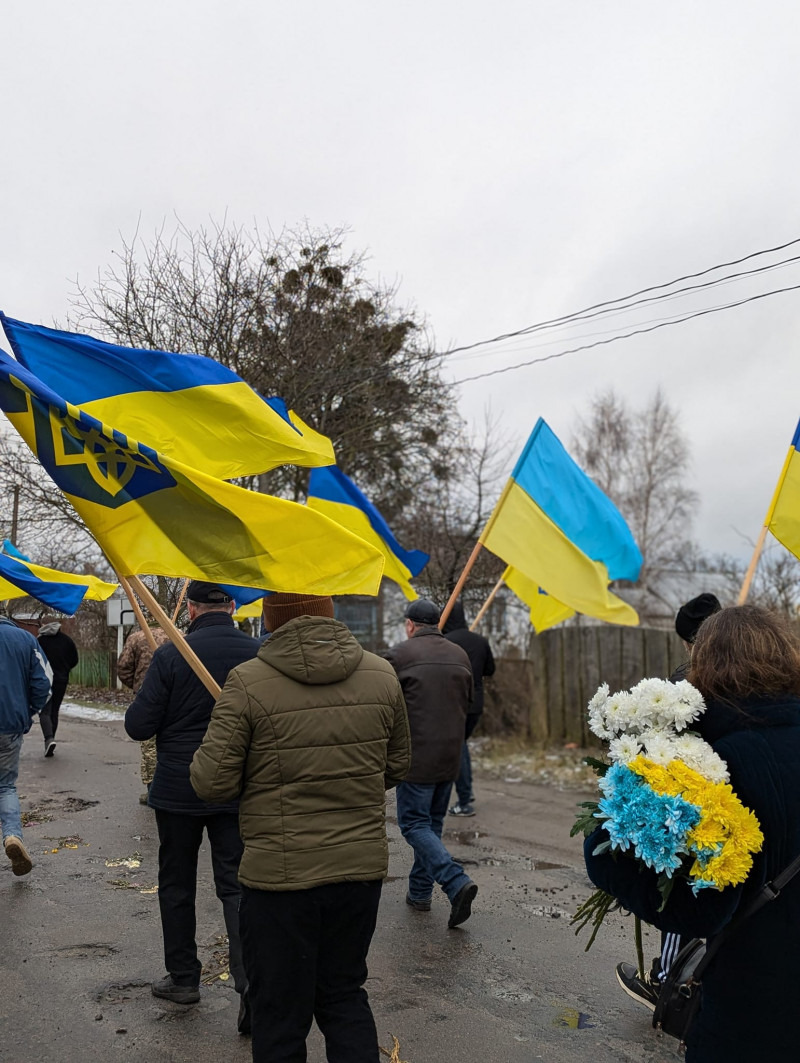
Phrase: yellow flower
(725, 824)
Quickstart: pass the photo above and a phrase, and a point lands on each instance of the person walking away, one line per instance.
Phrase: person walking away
(746, 664)
(436, 678)
(137, 653)
(309, 735)
(24, 689)
(479, 651)
(646, 990)
(174, 707)
(62, 653)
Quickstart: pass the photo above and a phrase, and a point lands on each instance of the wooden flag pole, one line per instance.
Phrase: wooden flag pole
(462, 579)
(137, 609)
(180, 600)
(179, 642)
(473, 557)
(484, 608)
(751, 568)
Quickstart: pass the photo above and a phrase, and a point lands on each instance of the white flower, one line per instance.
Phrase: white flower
(597, 718)
(618, 711)
(624, 749)
(698, 755)
(659, 746)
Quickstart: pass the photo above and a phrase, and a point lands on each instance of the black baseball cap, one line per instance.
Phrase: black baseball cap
(422, 611)
(207, 593)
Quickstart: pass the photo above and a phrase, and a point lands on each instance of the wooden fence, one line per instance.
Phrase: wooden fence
(544, 696)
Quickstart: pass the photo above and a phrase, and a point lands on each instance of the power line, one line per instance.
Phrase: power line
(628, 335)
(622, 299)
(651, 301)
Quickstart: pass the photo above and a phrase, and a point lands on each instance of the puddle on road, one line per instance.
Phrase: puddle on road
(573, 1019)
(545, 865)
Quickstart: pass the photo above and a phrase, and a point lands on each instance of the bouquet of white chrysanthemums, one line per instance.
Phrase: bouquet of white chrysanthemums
(648, 720)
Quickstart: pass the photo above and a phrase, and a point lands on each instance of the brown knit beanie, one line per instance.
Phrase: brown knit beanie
(279, 609)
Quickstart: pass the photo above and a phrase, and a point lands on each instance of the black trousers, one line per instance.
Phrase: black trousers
(179, 838)
(48, 717)
(305, 955)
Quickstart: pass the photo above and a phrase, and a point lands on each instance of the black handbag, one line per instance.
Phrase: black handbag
(681, 993)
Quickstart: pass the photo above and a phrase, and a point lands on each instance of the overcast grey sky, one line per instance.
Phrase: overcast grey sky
(505, 162)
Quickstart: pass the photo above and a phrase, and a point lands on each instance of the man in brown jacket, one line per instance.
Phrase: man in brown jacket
(308, 736)
(437, 683)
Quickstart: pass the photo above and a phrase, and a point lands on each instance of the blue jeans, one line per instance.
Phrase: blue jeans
(421, 808)
(10, 816)
(464, 780)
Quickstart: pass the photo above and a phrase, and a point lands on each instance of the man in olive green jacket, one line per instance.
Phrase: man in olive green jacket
(308, 736)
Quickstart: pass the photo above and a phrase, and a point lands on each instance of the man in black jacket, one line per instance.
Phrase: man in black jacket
(175, 707)
(479, 651)
(62, 653)
(436, 678)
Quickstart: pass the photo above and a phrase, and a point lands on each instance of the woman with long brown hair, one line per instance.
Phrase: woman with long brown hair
(746, 663)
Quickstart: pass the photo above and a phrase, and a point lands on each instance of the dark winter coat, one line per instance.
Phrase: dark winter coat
(476, 647)
(175, 707)
(311, 734)
(24, 679)
(59, 649)
(436, 678)
(751, 987)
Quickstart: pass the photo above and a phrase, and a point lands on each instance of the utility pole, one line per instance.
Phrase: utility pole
(15, 514)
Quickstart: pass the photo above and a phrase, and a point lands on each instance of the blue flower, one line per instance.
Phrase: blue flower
(654, 825)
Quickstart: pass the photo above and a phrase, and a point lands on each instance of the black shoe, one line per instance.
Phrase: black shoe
(461, 906)
(178, 994)
(49, 747)
(461, 810)
(418, 906)
(243, 1022)
(644, 990)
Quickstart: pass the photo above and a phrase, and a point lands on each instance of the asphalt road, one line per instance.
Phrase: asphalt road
(81, 935)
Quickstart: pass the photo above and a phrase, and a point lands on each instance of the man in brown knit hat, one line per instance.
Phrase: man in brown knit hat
(309, 735)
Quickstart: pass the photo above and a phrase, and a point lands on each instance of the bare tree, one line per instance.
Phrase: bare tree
(447, 517)
(294, 315)
(640, 459)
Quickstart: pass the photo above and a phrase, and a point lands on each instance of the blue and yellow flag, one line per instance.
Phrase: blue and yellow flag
(152, 514)
(545, 611)
(558, 529)
(783, 518)
(63, 591)
(334, 494)
(185, 406)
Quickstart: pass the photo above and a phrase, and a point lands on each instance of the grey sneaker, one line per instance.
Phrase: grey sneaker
(461, 810)
(167, 989)
(644, 990)
(461, 905)
(16, 852)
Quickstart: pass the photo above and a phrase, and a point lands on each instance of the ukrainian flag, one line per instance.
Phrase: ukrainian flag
(63, 591)
(558, 529)
(783, 518)
(332, 493)
(153, 514)
(186, 406)
(545, 611)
